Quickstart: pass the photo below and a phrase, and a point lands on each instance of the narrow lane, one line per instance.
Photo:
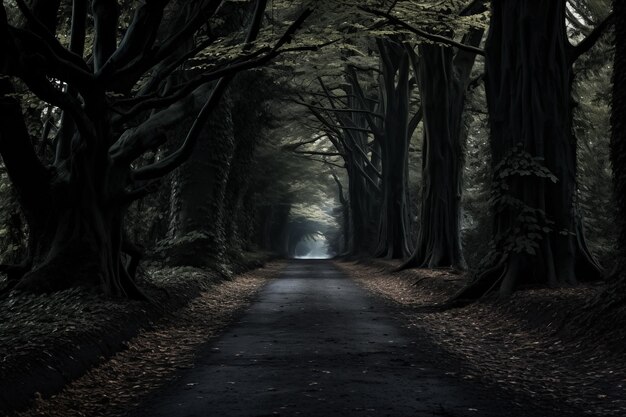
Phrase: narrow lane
(316, 344)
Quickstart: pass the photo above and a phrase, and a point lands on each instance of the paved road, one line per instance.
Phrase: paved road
(316, 344)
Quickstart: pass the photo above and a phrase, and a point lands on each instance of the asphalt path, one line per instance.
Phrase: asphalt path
(314, 343)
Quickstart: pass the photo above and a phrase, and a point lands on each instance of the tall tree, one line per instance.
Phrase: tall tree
(197, 234)
(444, 77)
(393, 136)
(538, 235)
(75, 204)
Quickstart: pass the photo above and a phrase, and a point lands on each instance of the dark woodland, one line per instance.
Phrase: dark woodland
(312, 208)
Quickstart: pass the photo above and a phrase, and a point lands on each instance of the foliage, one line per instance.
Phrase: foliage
(592, 92)
(476, 222)
(530, 224)
(12, 229)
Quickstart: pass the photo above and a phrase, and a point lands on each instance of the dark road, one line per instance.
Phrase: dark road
(316, 344)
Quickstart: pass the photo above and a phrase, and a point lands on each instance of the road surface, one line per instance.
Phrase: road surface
(314, 343)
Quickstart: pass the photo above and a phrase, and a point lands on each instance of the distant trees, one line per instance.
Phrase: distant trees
(538, 233)
(385, 111)
(367, 114)
(74, 203)
(608, 305)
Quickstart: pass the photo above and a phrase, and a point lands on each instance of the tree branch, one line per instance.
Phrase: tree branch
(378, 133)
(586, 44)
(42, 31)
(294, 146)
(336, 110)
(105, 18)
(322, 161)
(342, 198)
(139, 38)
(183, 90)
(319, 153)
(422, 33)
(26, 171)
(175, 159)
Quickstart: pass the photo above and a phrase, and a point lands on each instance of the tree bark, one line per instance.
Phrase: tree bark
(443, 79)
(394, 151)
(443, 96)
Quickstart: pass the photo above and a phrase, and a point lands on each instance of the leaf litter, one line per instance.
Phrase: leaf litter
(517, 344)
(149, 360)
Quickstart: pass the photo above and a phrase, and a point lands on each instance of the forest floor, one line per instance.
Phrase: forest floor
(48, 341)
(311, 341)
(529, 345)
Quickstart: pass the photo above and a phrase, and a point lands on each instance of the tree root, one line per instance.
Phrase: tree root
(483, 285)
(15, 272)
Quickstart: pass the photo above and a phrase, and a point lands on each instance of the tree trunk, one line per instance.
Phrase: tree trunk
(528, 84)
(248, 123)
(81, 244)
(443, 96)
(75, 228)
(196, 233)
(359, 198)
(394, 152)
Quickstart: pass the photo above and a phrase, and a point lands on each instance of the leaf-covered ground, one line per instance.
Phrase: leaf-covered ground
(153, 357)
(46, 341)
(519, 344)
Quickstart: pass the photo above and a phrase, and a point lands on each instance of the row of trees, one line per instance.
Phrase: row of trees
(412, 72)
(105, 101)
(127, 93)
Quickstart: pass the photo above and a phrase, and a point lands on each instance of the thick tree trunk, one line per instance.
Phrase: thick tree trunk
(528, 80)
(248, 123)
(394, 153)
(75, 207)
(360, 198)
(249, 227)
(81, 244)
(75, 232)
(196, 233)
(273, 220)
(443, 96)
(363, 177)
(443, 78)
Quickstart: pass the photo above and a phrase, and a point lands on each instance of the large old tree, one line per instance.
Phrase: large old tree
(538, 236)
(115, 111)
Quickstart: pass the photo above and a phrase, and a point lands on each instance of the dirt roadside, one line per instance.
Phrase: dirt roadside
(514, 344)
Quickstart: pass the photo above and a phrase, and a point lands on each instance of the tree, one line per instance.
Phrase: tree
(444, 77)
(250, 118)
(197, 233)
(393, 134)
(74, 205)
(538, 237)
